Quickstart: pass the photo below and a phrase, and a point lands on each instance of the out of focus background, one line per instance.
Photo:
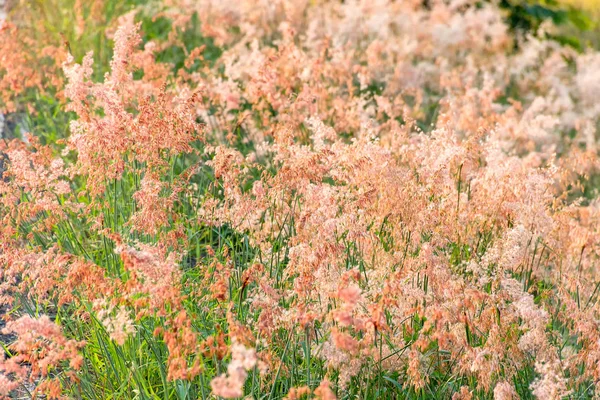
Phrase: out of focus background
(578, 19)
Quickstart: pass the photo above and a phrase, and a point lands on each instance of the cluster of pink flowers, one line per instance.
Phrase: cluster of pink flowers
(40, 350)
(231, 384)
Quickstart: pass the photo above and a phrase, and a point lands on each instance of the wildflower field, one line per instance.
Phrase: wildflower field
(299, 199)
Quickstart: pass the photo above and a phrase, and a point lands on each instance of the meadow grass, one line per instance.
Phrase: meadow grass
(225, 203)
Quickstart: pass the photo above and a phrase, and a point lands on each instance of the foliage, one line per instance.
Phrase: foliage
(288, 199)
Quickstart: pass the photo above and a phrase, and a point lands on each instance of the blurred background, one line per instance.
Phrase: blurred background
(578, 20)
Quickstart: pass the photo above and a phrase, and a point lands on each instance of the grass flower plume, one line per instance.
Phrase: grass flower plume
(299, 200)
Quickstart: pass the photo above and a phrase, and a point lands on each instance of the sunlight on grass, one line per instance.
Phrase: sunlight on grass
(299, 200)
